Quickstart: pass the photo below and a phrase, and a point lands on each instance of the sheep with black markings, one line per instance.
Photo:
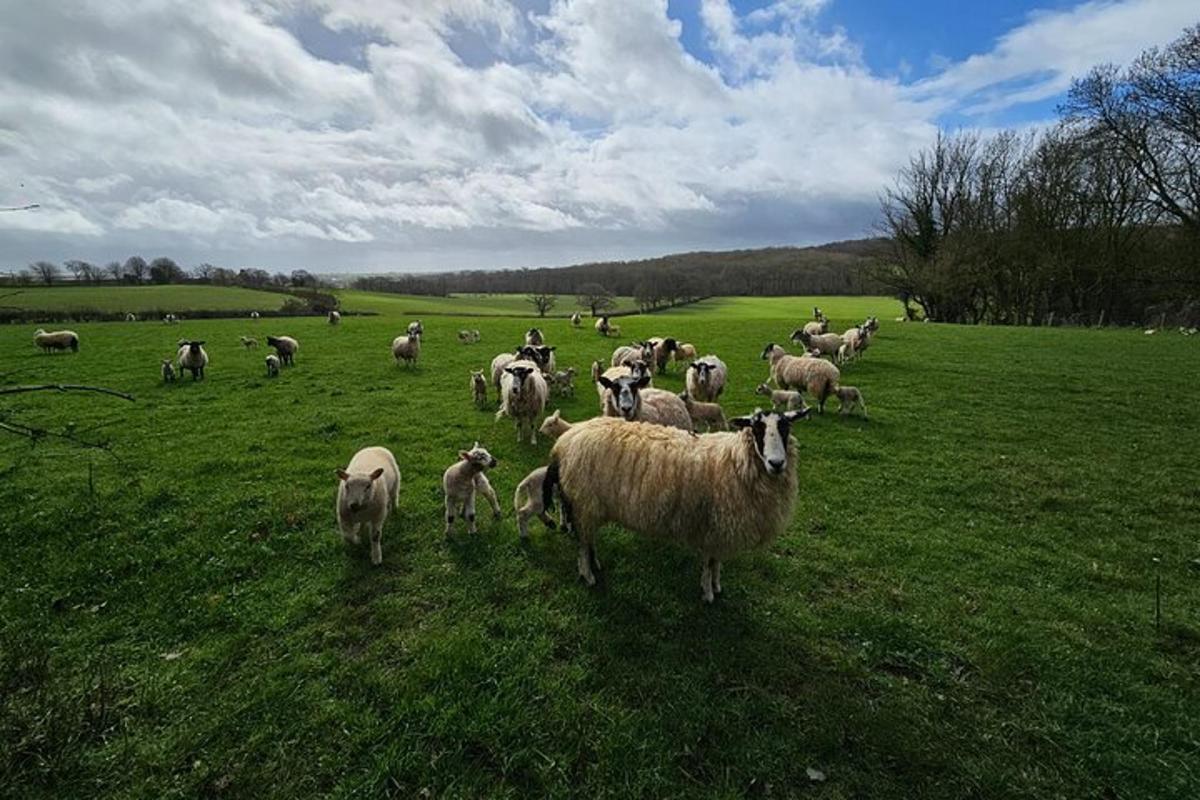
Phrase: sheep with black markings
(576, 319)
(168, 371)
(710, 414)
(706, 378)
(415, 328)
(368, 489)
(534, 337)
(56, 341)
(285, 348)
(638, 351)
(815, 376)
(335, 318)
(525, 353)
(193, 358)
(718, 493)
(633, 401)
(407, 348)
(465, 478)
(663, 348)
(636, 368)
(523, 395)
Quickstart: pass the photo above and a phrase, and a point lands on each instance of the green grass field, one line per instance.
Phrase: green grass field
(140, 299)
(486, 305)
(963, 605)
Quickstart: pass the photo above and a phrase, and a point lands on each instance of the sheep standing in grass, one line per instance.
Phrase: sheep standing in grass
(826, 343)
(685, 352)
(816, 328)
(554, 425)
(852, 342)
(415, 328)
(272, 366)
(368, 489)
(131, 317)
(335, 318)
(632, 401)
(663, 350)
(56, 340)
(503, 360)
(527, 502)
(719, 493)
(709, 413)
(782, 399)
(543, 356)
(869, 328)
(576, 319)
(193, 358)
(534, 337)
(407, 348)
(523, 395)
(468, 337)
(816, 376)
(170, 319)
(462, 480)
(706, 378)
(248, 342)
(850, 398)
(168, 371)
(478, 388)
(638, 351)
(285, 347)
(253, 315)
(607, 404)
(602, 326)
(563, 382)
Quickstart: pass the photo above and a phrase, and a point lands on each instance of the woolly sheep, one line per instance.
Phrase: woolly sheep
(614, 331)
(817, 377)
(193, 358)
(478, 388)
(56, 340)
(168, 371)
(523, 395)
(533, 336)
(543, 356)
(285, 347)
(869, 328)
(415, 328)
(272, 366)
(468, 337)
(407, 348)
(718, 493)
(554, 425)
(827, 343)
(248, 342)
(131, 317)
(782, 399)
(563, 382)
(708, 413)
(850, 398)
(462, 480)
(576, 319)
(634, 402)
(706, 378)
(607, 405)
(335, 317)
(502, 360)
(170, 319)
(685, 352)
(368, 489)
(663, 350)
(815, 328)
(601, 326)
(852, 342)
(638, 351)
(528, 503)
(253, 315)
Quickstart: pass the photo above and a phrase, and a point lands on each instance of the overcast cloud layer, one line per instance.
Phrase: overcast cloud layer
(417, 135)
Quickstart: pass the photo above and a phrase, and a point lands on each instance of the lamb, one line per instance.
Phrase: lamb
(869, 327)
(602, 326)
(706, 378)
(719, 493)
(286, 347)
(170, 319)
(632, 401)
(708, 413)
(168, 371)
(534, 337)
(663, 350)
(253, 315)
(368, 489)
(827, 343)
(685, 352)
(248, 341)
(407, 348)
(852, 343)
(563, 382)
(597, 371)
(815, 328)
(816, 376)
(527, 502)
(850, 398)
(272, 366)
(335, 317)
(415, 328)
(782, 399)
(478, 388)
(462, 480)
(131, 317)
(643, 351)
(576, 319)
(554, 425)
(193, 358)
(56, 340)
(523, 394)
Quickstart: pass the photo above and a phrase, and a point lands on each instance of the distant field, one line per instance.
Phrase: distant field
(462, 304)
(140, 299)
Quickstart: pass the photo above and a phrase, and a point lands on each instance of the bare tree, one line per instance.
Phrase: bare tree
(136, 269)
(595, 298)
(45, 271)
(76, 268)
(541, 302)
(165, 270)
(115, 270)
(204, 272)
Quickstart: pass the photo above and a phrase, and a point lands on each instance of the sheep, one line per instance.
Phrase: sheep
(576, 319)
(850, 398)
(815, 328)
(527, 502)
(554, 425)
(635, 368)
(597, 371)
(335, 317)
(685, 352)
(253, 315)
(663, 350)
(478, 388)
(193, 358)
(170, 319)
(523, 394)
(368, 489)
(718, 493)
(706, 378)
(817, 377)
(601, 326)
(407, 348)
(248, 342)
(168, 371)
(131, 317)
(415, 328)
(56, 340)
(468, 337)
(614, 331)
(782, 399)
(643, 351)
(501, 361)
(708, 413)
(827, 343)
(563, 382)
(272, 366)
(285, 347)
(632, 401)
(462, 480)
(853, 342)
(543, 356)
(534, 337)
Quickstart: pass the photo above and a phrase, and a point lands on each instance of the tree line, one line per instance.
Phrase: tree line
(135, 270)
(1094, 220)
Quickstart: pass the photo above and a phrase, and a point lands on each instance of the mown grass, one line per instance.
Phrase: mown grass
(487, 305)
(140, 299)
(963, 605)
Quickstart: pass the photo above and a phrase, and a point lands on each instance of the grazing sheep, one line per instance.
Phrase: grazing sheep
(407, 348)
(248, 342)
(638, 351)
(719, 493)
(563, 382)
(462, 480)
(131, 317)
(193, 358)
(368, 489)
(285, 347)
(523, 395)
(478, 388)
(415, 328)
(554, 425)
(170, 319)
(272, 366)
(168, 371)
(576, 319)
(534, 337)
(706, 378)
(709, 413)
(826, 343)
(632, 401)
(56, 340)
(817, 377)
(782, 399)
(663, 350)
(253, 315)
(851, 398)
(602, 326)
(685, 352)
(468, 337)
(335, 317)
(528, 503)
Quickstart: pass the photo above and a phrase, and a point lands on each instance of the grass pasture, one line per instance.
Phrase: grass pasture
(962, 607)
(178, 298)
(484, 305)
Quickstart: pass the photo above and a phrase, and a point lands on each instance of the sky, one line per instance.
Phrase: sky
(423, 135)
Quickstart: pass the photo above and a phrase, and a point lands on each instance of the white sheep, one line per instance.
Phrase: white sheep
(718, 493)
(706, 378)
(850, 398)
(462, 480)
(193, 358)
(601, 325)
(826, 343)
(523, 395)
(368, 489)
(248, 342)
(607, 405)
(534, 337)
(131, 317)
(638, 351)
(407, 348)
(502, 360)
(815, 376)
(253, 315)
(685, 352)
(285, 347)
(528, 503)
(554, 425)
(852, 342)
(815, 328)
(782, 399)
(710, 414)
(335, 317)
(632, 401)
(168, 371)
(56, 340)
(170, 319)
(478, 388)
(272, 366)
(468, 337)
(415, 328)
(576, 319)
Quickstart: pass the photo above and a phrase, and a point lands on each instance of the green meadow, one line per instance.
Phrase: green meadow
(483, 305)
(139, 299)
(963, 605)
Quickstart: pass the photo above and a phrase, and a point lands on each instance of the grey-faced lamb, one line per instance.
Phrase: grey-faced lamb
(285, 347)
(462, 480)
(850, 398)
(368, 489)
(664, 348)
(563, 382)
(706, 378)
(193, 358)
(407, 348)
(478, 388)
(56, 341)
(638, 351)
(523, 395)
(815, 376)
(168, 371)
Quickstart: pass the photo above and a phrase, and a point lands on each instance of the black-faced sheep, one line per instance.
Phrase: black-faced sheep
(633, 401)
(415, 328)
(663, 350)
(706, 378)
(534, 337)
(523, 395)
(462, 480)
(368, 489)
(193, 358)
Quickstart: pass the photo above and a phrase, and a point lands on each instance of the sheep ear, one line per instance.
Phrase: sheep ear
(741, 422)
(509, 370)
(464, 455)
(552, 347)
(792, 416)
(605, 382)
(643, 381)
(375, 475)
(342, 474)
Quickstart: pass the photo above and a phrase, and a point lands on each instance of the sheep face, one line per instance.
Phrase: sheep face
(194, 347)
(626, 394)
(477, 378)
(763, 389)
(479, 457)
(770, 350)
(542, 355)
(771, 433)
(519, 374)
(534, 336)
(797, 335)
(703, 371)
(359, 488)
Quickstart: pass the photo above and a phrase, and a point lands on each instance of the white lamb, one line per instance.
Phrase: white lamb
(528, 503)
(407, 348)
(462, 480)
(272, 366)
(554, 425)
(523, 395)
(782, 399)
(850, 398)
(478, 388)
(368, 489)
(335, 317)
(248, 342)
(628, 353)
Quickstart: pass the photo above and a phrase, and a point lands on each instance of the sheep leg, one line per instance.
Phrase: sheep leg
(483, 485)
(469, 512)
(449, 515)
(716, 576)
(547, 519)
(706, 589)
(586, 553)
(376, 544)
(349, 532)
(523, 514)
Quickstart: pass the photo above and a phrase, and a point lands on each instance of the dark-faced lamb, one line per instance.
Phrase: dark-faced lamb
(663, 348)
(368, 489)
(633, 401)
(706, 378)
(168, 371)
(462, 480)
